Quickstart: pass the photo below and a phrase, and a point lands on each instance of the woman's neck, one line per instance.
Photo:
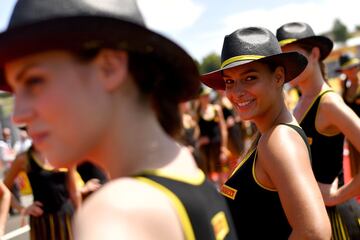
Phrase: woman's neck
(313, 84)
(277, 113)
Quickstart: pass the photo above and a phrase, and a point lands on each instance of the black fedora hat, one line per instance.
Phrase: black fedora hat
(37, 25)
(302, 33)
(247, 45)
(346, 61)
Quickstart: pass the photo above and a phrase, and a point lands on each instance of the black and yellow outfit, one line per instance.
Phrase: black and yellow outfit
(327, 164)
(354, 104)
(256, 210)
(49, 188)
(202, 210)
(210, 152)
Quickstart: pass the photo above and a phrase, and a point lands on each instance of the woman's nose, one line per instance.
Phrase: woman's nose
(22, 112)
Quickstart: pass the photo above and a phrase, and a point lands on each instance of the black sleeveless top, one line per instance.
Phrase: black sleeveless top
(205, 215)
(210, 128)
(48, 187)
(326, 151)
(256, 210)
(88, 170)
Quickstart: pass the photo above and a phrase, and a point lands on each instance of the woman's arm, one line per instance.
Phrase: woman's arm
(74, 191)
(283, 164)
(19, 165)
(339, 115)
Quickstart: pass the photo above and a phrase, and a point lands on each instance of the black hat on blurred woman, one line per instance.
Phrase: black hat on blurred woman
(41, 25)
(302, 33)
(254, 44)
(346, 61)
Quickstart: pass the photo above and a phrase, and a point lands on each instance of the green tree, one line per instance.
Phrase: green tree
(210, 63)
(340, 31)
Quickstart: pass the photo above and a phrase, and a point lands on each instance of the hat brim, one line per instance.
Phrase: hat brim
(86, 32)
(341, 69)
(294, 63)
(323, 43)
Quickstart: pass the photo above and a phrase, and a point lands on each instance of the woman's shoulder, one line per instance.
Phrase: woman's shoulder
(126, 201)
(281, 138)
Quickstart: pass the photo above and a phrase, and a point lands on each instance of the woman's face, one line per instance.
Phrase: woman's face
(253, 88)
(62, 103)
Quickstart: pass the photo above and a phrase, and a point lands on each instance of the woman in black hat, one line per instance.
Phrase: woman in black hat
(92, 82)
(325, 119)
(265, 192)
(350, 67)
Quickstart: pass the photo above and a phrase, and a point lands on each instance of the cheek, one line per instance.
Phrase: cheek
(76, 124)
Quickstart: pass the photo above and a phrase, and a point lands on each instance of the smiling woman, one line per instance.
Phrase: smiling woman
(263, 185)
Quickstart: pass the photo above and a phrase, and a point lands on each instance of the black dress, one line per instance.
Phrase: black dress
(50, 188)
(202, 211)
(256, 210)
(327, 164)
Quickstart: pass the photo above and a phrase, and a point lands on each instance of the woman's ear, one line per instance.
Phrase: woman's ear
(315, 54)
(279, 74)
(113, 67)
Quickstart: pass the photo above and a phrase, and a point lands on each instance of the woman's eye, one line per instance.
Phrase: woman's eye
(250, 78)
(33, 83)
(228, 81)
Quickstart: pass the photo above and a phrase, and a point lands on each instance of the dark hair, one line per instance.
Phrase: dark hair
(155, 82)
(155, 85)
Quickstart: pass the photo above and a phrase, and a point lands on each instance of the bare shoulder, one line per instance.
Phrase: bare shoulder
(127, 209)
(280, 143)
(280, 137)
(331, 101)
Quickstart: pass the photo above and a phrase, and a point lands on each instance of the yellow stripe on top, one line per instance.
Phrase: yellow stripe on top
(287, 41)
(194, 180)
(256, 180)
(180, 209)
(240, 58)
(351, 62)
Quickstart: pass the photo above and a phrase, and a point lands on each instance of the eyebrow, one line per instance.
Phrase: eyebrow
(242, 73)
(23, 71)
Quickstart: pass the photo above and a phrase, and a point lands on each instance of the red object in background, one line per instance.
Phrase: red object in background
(346, 166)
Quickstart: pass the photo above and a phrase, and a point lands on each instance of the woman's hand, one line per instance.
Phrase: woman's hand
(91, 186)
(35, 209)
(329, 193)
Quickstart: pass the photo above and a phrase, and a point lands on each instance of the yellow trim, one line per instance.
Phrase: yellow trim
(240, 58)
(312, 103)
(242, 162)
(220, 225)
(196, 180)
(341, 227)
(47, 167)
(69, 228)
(52, 229)
(287, 41)
(352, 61)
(180, 209)
(256, 180)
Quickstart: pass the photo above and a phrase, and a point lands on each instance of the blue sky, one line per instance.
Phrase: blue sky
(200, 25)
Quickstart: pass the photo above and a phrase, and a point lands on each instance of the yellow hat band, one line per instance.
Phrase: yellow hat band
(287, 41)
(240, 58)
(353, 61)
